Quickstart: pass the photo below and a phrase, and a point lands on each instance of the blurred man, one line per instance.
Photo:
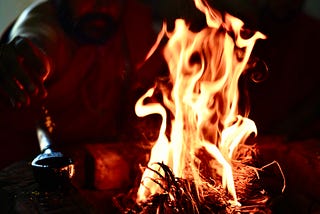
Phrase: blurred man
(79, 59)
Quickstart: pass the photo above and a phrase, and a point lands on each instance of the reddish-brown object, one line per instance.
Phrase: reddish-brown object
(110, 169)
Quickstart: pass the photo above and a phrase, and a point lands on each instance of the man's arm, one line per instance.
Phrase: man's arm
(26, 61)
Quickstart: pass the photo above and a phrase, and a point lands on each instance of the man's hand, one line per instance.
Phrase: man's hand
(23, 69)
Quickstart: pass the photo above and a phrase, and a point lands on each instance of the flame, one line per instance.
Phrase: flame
(205, 68)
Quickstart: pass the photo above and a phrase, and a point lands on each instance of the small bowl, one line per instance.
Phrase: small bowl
(52, 170)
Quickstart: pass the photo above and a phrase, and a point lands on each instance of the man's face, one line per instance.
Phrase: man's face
(93, 21)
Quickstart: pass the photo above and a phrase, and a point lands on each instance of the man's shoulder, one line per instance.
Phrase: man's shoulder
(40, 8)
(37, 19)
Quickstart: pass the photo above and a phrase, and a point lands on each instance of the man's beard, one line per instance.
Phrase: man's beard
(91, 28)
(94, 28)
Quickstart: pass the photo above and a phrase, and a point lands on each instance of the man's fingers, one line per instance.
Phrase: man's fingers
(11, 70)
(17, 96)
(23, 69)
(34, 60)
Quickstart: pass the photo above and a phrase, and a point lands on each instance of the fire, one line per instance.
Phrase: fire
(203, 101)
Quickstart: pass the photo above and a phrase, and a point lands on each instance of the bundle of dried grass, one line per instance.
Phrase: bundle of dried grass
(180, 196)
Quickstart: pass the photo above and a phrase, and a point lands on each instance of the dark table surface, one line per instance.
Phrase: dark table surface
(20, 193)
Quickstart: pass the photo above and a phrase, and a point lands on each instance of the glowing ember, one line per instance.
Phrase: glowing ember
(208, 132)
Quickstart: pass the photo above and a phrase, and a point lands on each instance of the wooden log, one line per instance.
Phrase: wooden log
(107, 167)
(112, 166)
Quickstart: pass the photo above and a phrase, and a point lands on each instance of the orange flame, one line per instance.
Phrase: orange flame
(204, 69)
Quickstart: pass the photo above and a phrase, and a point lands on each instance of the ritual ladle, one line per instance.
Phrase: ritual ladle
(51, 168)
